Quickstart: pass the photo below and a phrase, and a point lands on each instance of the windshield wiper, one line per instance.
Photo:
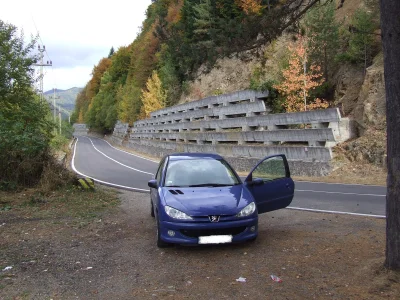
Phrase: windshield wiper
(210, 184)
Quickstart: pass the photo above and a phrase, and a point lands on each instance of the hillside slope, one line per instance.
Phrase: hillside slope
(190, 49)
(66, 98)
(358, 93)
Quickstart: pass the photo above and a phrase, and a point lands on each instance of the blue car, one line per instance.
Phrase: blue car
(198, 198)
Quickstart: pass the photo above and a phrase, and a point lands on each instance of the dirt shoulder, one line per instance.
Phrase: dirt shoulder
(111, 254)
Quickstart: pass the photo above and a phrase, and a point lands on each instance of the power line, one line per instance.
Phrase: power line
(52, 69)
(42, 64)
(47, 64)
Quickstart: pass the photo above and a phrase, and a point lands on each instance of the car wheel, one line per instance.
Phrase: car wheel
(252, 240)
(160, 242)
(152, 209)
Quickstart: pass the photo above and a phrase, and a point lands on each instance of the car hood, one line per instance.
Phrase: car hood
(205, 201)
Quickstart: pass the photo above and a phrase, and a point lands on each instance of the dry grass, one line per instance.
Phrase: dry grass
(54, 176)
(70, 201)
(352, 173)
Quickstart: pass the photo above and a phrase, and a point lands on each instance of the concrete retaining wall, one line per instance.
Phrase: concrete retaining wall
(159, 149)
(121, 130)
(240, 127)
(320, 118)
(211, 102)
(80, 129)
(304, 160)
(312, 136)
(247, 109)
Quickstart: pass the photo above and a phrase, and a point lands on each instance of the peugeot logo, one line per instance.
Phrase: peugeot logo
(214, 218)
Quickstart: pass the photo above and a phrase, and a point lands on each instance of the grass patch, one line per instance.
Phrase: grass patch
(67, 202)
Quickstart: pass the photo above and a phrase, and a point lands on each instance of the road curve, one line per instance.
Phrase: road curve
(93, 158)
(97, 159)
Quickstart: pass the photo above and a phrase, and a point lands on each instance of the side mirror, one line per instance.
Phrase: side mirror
(153, 184)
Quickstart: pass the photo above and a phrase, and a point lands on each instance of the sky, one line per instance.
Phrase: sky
(76, 34)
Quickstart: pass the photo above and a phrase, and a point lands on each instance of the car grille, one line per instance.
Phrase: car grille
(207, 232)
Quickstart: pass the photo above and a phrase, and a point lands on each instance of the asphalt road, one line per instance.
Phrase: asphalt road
(97, 159)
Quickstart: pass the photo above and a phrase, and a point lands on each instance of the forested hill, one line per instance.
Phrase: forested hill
(65, 98)
(180, 37)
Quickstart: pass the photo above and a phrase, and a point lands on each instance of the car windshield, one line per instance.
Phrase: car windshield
(199, 172)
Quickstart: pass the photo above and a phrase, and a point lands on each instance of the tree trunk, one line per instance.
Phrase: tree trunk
(305, 83)
(390, 24)
(325, 64)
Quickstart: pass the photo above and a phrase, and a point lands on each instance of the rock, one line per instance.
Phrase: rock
(370, 111)
(348, 81)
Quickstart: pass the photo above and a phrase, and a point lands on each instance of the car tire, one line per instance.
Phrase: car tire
(152, 209)
(160, 242)
(252, 240)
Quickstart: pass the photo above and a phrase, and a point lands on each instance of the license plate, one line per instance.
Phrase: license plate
(215, 239)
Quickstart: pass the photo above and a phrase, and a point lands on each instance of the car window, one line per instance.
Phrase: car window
(270, 169)
(159, 171)
(197, 172)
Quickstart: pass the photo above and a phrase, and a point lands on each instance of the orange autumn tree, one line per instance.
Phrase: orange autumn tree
(154, 96)
(174, 12)
(300, 79)
(250, 6)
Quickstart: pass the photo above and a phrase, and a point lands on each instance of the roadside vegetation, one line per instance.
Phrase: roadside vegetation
(27, 136)
(180, 39)
(31, 179)
(69, 202)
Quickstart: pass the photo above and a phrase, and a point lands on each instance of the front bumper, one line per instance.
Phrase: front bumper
(188, 232)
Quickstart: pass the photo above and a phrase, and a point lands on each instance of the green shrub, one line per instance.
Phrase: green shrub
(25, 129)
(59, 142)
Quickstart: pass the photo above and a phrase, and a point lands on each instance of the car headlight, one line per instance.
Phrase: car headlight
(247, 211)
(177, 214)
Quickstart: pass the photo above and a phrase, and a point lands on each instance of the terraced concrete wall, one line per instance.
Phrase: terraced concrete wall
(80, 129)
(121, 130)
(160, 148)
(240, 127)
(211, 102)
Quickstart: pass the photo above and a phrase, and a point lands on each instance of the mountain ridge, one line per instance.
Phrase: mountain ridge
(64, 98)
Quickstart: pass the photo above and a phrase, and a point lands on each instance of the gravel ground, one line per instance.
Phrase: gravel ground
(317, 256)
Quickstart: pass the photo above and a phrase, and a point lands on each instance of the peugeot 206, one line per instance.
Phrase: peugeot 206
(198, 198)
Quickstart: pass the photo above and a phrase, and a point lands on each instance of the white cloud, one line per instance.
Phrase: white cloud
(77, 34)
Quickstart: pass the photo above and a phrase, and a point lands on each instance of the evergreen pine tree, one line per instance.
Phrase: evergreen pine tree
(323, 36)
(111, 53)
(361, 40)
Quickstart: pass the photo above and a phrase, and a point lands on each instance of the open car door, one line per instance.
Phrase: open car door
(270, 184)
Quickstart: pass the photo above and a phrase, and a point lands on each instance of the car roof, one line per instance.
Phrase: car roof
(188, 155)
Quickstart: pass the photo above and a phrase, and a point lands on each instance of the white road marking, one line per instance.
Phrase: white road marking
(358, 184)
(336, 212)
(116, 161)
(98, 180)
(130, 153)
(293, 208)
(324, 192)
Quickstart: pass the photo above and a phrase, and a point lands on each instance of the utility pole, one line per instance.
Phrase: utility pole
(54, 108)
(59, 116)
(41, 64)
